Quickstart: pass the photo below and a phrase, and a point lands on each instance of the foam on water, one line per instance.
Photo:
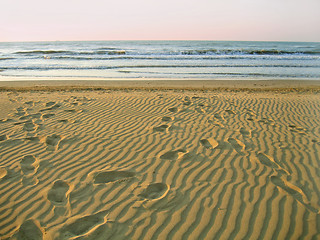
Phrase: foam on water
(161, 59)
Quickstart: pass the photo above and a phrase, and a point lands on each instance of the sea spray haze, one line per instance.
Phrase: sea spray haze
(161, 59)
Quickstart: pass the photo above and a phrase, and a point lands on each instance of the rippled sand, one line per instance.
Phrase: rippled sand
(159, 164)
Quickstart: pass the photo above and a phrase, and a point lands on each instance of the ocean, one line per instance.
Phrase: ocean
(160, 59)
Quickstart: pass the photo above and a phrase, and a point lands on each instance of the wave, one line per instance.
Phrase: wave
(48, 52)
(219, 52)
(6, 58)
(244, 51)
(33, 52)
(44, 68)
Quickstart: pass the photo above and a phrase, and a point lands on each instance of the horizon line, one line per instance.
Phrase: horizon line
(154, 40)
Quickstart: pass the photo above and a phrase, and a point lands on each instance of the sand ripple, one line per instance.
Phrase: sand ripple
(159, 165)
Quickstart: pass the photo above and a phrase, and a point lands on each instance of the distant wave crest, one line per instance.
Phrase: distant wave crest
(249, 52)
(48, 52)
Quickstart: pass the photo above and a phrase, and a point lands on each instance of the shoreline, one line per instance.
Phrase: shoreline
(157, 84)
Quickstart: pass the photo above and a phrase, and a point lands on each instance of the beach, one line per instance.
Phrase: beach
(158, 159)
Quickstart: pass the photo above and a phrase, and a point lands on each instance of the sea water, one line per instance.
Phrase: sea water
(160, 59)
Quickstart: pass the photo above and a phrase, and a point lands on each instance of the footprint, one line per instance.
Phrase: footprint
(30, 126)
(200, 110)
(31, 116)
(59, 192)
(173, 109)
(30, 103)
(192, 157)
(53, 141)
(299, 130)
(267, 121)
(172, 155)
(66, 121)
(35, 138)
(70, 110)
(245, 132)
(267, 160)
(82, 226)
(294, 191)
(167, 119)
(155, 191)
(187, 98)
(29, 165)
(237, 144)
(218, 124)
(218, 116)
(209, 143)
(3, 137)
(48, 115)
(21, 111)
(162, 128)
(30, 229)
(50, 104)
(112, 176)
(230, 111)
(51, 108)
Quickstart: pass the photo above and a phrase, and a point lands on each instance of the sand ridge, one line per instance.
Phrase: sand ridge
(168, 164)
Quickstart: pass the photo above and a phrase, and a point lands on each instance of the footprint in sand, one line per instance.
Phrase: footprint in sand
(21, 111)
(193, 156)
(53, 142)
(48, 115)
(299, 130)
(269, 161)
(172, 155)
(267, 121)
(30, 103)
(66, 121)
(215, 123)
(59, 192)
(82, 226)
(50, 104)
(30, 229)
(237, 145)
(155, 191)
(30, 126)
(3, 137)
(200, 110)
(29, 165)
(218, 116)
(55, 106)
(173, 109)
(162, 128)
(71, 110)
(112, 176)
(167, 119)
(209, 143)
(230, 111)
(244, 132)
(294, 191)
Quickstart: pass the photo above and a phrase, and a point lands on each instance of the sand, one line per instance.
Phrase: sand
(108, 162)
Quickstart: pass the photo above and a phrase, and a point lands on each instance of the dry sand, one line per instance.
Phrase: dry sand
(159, 164)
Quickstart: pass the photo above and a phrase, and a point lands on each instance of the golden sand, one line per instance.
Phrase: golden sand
(159, 164)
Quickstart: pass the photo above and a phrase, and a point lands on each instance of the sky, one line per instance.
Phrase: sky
(246, 20)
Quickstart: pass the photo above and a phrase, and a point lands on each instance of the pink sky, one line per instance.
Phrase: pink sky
(41, 20)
